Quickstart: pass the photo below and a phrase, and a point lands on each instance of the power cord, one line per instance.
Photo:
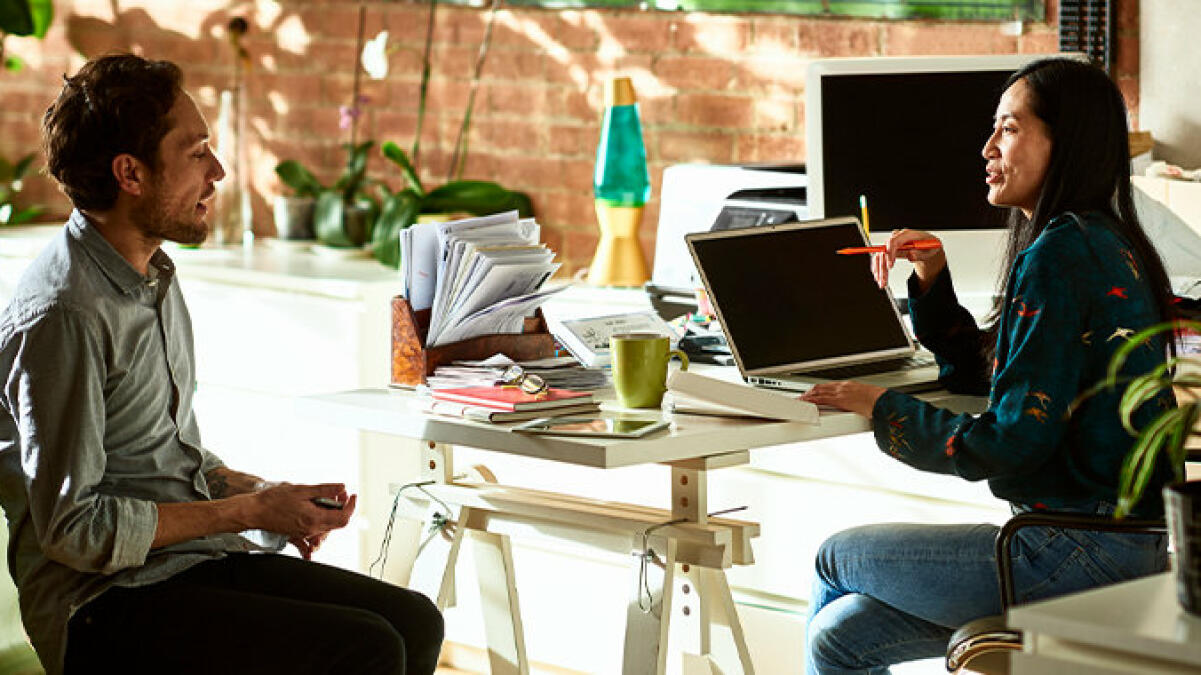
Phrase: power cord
(647, 555)
(438, 522)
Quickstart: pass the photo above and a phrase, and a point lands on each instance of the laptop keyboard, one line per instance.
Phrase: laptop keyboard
(861, 369)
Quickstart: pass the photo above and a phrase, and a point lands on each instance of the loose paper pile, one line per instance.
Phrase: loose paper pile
(478, 276)
(561, 372)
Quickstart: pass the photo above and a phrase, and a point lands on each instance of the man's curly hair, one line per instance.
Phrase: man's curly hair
(116, 104)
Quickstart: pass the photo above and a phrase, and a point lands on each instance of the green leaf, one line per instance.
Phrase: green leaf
(328, 219)
(394, 152)
(1142, 389)
(301, 180)
(476, 197)
(356, 169)
(22, 166)
(13, 64)
(16, 17)
(525, 207)
(42, 12)
(1139, 464)
(399, 212)
(25, 215)
(372, 206)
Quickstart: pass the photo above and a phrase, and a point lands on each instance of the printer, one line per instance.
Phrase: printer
(705, 197)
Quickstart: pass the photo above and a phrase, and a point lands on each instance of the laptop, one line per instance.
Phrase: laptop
(796, 313)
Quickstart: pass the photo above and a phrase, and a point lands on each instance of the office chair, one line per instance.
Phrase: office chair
(984, 645)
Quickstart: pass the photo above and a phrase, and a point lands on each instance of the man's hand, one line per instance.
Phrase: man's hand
(855, 397)
(286, 509)
(290, 511)
(308, 545)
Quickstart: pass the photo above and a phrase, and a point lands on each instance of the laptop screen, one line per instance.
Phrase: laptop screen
(789, 302)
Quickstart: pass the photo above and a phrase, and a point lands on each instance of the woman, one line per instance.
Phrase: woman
(1081, 277)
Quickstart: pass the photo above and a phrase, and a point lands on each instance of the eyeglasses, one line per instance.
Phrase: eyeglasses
(515, 376)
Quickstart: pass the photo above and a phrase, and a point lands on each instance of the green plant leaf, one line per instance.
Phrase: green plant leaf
(356, 170)
(394, 152)
(476, 197)
(523, 204)
(1141, 389)
(1139, 463)
(399, 212)
(26, 17)
(25, 215)
(42, 12)
(328, 218)
(372, 206)
(16, 17)
(13, 64)
(22, 166)
(301, 180)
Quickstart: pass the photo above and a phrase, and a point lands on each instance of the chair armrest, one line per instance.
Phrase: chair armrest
(1068, 521)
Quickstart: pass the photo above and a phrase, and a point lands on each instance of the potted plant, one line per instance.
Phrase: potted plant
(1169, 432)
(402, 208)
(11, 177)
(344, 214)
(456, 196)
(294, 212)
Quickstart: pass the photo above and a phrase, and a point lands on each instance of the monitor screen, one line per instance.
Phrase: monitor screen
(906, 133)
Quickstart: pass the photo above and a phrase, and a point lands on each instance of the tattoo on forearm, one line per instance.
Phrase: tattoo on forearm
(218, 484)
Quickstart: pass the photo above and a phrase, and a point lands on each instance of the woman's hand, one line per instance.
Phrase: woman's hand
(926, 263)
(855, 397)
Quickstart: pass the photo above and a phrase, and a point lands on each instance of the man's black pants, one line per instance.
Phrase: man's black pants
(257, 614)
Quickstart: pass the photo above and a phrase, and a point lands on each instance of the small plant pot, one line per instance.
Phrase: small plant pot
(356, 221)
(1182, 502)
(294, 217)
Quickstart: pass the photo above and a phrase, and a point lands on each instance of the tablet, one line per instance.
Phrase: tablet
(593, 427)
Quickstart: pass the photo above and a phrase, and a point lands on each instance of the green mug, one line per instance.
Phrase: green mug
(640, 368)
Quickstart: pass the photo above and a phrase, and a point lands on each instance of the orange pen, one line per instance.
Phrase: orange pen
(919, 245)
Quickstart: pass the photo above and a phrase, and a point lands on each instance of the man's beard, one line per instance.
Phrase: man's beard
(153, 219)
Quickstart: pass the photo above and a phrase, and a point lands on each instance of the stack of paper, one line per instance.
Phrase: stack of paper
(560, 372)
(477, 276)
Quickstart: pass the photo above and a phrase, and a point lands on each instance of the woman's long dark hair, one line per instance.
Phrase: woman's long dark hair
(1089, 168)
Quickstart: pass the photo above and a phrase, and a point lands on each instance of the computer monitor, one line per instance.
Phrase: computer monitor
(906, 133)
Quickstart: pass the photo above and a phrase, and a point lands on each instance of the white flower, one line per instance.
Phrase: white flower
(375, 56)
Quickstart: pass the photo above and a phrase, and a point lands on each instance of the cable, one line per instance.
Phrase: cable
(648, 554)
(439, 521)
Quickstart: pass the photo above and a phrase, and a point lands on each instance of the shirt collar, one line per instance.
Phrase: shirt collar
(112, 264)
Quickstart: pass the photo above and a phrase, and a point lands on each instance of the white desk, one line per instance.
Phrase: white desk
(1132, 627)
(695, 551)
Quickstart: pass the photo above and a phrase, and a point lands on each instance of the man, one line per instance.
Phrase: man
(123, 527)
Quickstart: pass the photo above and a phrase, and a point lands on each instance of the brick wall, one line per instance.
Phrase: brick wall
(713, 88)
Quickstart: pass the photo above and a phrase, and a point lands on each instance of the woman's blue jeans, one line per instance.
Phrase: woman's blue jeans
(889, 593)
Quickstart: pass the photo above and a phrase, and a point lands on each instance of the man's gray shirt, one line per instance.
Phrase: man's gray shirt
(96, 426)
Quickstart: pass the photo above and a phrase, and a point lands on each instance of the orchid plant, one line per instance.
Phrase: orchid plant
(400, 209)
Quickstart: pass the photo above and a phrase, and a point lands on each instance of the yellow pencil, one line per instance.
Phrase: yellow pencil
(867, 228)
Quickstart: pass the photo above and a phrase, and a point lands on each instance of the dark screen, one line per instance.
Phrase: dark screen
(911, 143)
(786, 297)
